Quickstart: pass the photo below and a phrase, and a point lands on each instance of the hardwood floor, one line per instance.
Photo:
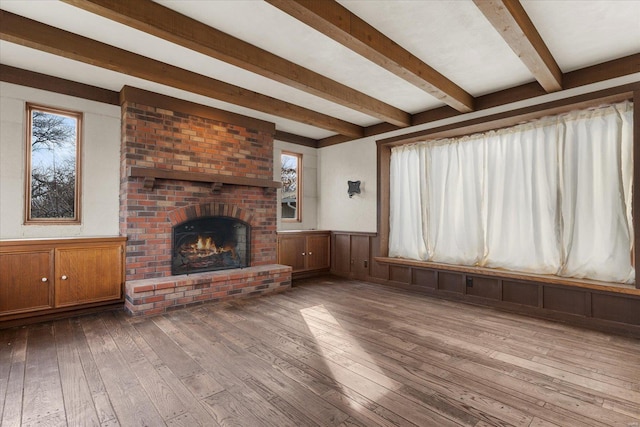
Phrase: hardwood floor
(328, 352)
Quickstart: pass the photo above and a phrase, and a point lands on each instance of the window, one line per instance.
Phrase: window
(291, 177)
(53, 153)
(551, 197)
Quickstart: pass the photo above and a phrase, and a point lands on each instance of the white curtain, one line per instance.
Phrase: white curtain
(454, 222)
(406, 215)
(596, 194)
(550, 197)
(522, 199)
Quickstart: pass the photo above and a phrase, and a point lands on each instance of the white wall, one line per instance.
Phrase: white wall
(100, 165)
(309, 185)
(351, 161)
(326, 204)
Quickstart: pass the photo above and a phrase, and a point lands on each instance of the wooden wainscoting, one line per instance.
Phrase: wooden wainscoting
(605, 306)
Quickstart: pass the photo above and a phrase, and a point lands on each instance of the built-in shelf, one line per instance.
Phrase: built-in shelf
(217, 180)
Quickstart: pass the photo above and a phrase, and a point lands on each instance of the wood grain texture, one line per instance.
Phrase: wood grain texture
(43, 402)
(28, 78)
(202, 177)
(14, 349)
(90, 274)
(329, 352)
(27, 281)
(514, 25)
(78, 404)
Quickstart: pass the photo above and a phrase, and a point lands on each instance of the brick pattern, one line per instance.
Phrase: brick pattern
(159, 138)
(166, 139)
(157, 296)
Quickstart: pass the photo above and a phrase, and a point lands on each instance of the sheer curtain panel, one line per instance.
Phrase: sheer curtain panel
(550, 197)
(521, 190)
(596, 194)
(406, 216)
(454, 189)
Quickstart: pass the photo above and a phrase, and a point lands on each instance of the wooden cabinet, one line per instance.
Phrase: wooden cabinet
(88, 274)
(292, 250)
(351, 254)
(360, 256)
(26, 281)
(46, 276)
(307, 252)
(318, 251)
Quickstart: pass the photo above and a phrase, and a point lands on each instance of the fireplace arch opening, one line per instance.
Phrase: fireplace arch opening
(210, 243)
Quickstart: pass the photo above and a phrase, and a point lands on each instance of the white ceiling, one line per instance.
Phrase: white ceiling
(452, 36)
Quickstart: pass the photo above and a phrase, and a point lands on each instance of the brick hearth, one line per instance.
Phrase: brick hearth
(156, 296)
(165, 134)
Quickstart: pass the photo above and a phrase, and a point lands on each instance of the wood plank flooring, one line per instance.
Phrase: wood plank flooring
(330, 352)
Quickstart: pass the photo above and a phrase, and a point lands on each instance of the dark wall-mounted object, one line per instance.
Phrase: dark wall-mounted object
(354, 188)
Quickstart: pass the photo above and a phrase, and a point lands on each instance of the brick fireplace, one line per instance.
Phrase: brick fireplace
(186, 162)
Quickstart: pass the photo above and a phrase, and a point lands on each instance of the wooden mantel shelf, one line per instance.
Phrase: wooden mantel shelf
(151, 174)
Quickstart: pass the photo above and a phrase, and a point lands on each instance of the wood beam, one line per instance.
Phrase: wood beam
(155, 173)
(160, 21)
(33, 34)
(510, 19)
(338, 23)
(520, 115)
(585, 76)
(295, 139)
(22, 77)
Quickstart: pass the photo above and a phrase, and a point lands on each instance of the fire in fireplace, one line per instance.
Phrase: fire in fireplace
(210, 243)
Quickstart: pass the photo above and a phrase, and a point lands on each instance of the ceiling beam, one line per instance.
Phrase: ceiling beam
(613, 69)
(33, 34)
(22, 77)
(338, 23)
(160, 21)
(520, 115)
(510, 19)
(295, 139)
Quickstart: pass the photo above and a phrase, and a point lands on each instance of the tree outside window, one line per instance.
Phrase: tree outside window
(53, 146)
(291, 177)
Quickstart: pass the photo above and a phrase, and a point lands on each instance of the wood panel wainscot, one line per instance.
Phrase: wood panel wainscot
(46, 278)
(306, 251)
(599, 305)
(604, 306)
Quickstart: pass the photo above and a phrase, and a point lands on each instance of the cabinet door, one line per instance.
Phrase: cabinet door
(342, 254)
(292, 251)
(360, 257)
(318, 252)
(88, 274)
(26, 281)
